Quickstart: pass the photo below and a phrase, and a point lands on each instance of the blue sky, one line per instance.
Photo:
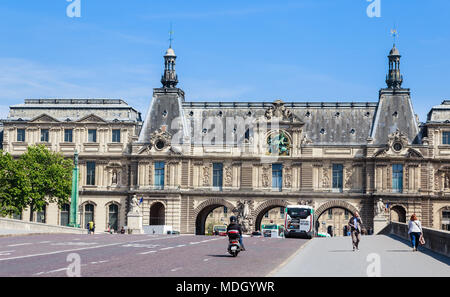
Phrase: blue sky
(254, 50)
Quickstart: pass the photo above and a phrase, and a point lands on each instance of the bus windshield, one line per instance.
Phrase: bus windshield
(299, 213)
(272, 227)
(220, 228)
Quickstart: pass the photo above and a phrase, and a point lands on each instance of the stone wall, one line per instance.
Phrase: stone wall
(37, 227)
(436, 240)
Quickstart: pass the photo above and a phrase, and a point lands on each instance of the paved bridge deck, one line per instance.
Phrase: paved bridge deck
(335, 257)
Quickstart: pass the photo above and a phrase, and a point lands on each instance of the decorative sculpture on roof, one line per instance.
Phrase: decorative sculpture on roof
(161, 138)
(278, 111)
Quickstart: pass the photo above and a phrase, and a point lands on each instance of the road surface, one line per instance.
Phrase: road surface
(335, 257)
(106, 255)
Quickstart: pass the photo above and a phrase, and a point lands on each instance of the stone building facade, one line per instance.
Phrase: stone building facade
(188, 158)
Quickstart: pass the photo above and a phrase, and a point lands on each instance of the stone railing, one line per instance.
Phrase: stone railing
(32, 227)
(435, 240)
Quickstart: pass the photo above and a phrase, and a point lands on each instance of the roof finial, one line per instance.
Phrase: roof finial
(170, 35)
(394, 34)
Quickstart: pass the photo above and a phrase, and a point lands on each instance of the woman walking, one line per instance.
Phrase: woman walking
(414, 231)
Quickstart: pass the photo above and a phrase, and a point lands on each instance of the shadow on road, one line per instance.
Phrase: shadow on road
(221, 256)
(423, 250)
(342, 251)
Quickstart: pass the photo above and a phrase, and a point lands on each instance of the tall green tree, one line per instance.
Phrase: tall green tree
(14, 186)
(49, 177)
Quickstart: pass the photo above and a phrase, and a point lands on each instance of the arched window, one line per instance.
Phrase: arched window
(88, 214)
(65, 213)
(113, 217)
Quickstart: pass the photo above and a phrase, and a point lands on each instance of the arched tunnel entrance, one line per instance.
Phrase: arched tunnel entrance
(273, 214)
(214, 211)
(334, 221)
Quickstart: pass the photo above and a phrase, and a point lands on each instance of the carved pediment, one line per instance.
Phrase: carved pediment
(412, 153)
(44, 118)
(92, 118)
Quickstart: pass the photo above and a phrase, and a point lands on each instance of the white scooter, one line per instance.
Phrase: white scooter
(233, 243)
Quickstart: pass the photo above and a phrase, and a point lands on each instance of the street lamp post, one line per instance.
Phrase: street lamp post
(74, 199)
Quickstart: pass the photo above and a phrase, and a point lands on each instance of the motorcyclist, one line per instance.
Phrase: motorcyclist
(235, 226)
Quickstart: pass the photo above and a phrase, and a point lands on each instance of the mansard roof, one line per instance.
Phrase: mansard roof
(72, 110)
(325, 123)
(440, 113)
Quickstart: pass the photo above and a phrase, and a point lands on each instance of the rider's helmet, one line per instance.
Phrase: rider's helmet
(233, 219)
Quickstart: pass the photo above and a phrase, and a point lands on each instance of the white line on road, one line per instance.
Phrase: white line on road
(181, 245)
(176, 269)
(19, 244)
(45, 242)
(194, 242)
(167, 248)
(81, 249)
(149, 252)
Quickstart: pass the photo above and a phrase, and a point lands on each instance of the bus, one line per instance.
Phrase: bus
(272, 230)
(299, 221)
(220, 230)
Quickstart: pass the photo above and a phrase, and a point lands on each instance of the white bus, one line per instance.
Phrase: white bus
(299, 221)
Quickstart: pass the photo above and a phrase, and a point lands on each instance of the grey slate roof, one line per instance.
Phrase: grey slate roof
(325, 123)
(440, 113)
(74, 110)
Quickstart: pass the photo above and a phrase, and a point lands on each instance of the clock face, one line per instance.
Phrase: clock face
(397, 146)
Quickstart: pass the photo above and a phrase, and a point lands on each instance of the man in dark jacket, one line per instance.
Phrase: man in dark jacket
(235, 226)
(355, 225)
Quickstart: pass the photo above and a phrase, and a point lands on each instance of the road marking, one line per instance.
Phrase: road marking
(181, 245)
(81, 249)
(149, 252)
(194, 242)
(19, 244)
(167, 248)
(205, 260)
(176, 269)
(45, 242)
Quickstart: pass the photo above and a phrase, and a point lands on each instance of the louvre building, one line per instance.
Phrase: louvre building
(188, 159)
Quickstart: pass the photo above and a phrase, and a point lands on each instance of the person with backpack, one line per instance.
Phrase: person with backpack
(91, 227)
(415, 232)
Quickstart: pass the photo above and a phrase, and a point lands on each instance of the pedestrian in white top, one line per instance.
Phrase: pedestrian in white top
(414, 231)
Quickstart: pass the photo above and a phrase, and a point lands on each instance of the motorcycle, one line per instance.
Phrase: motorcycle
(233, 243)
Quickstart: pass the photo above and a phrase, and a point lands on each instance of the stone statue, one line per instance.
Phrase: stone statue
(380, 208)
(243, 216)
(114, 177)
(135, 208)
(447, 181)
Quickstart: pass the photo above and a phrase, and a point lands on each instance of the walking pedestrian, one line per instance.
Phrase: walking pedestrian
(91, 228)
(414, 231)
(355, 229)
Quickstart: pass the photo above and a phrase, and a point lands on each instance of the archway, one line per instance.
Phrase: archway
(334, 214)
(260, 213)
(398, 214)
(334, 221)
(204, 209)
(157, 214)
